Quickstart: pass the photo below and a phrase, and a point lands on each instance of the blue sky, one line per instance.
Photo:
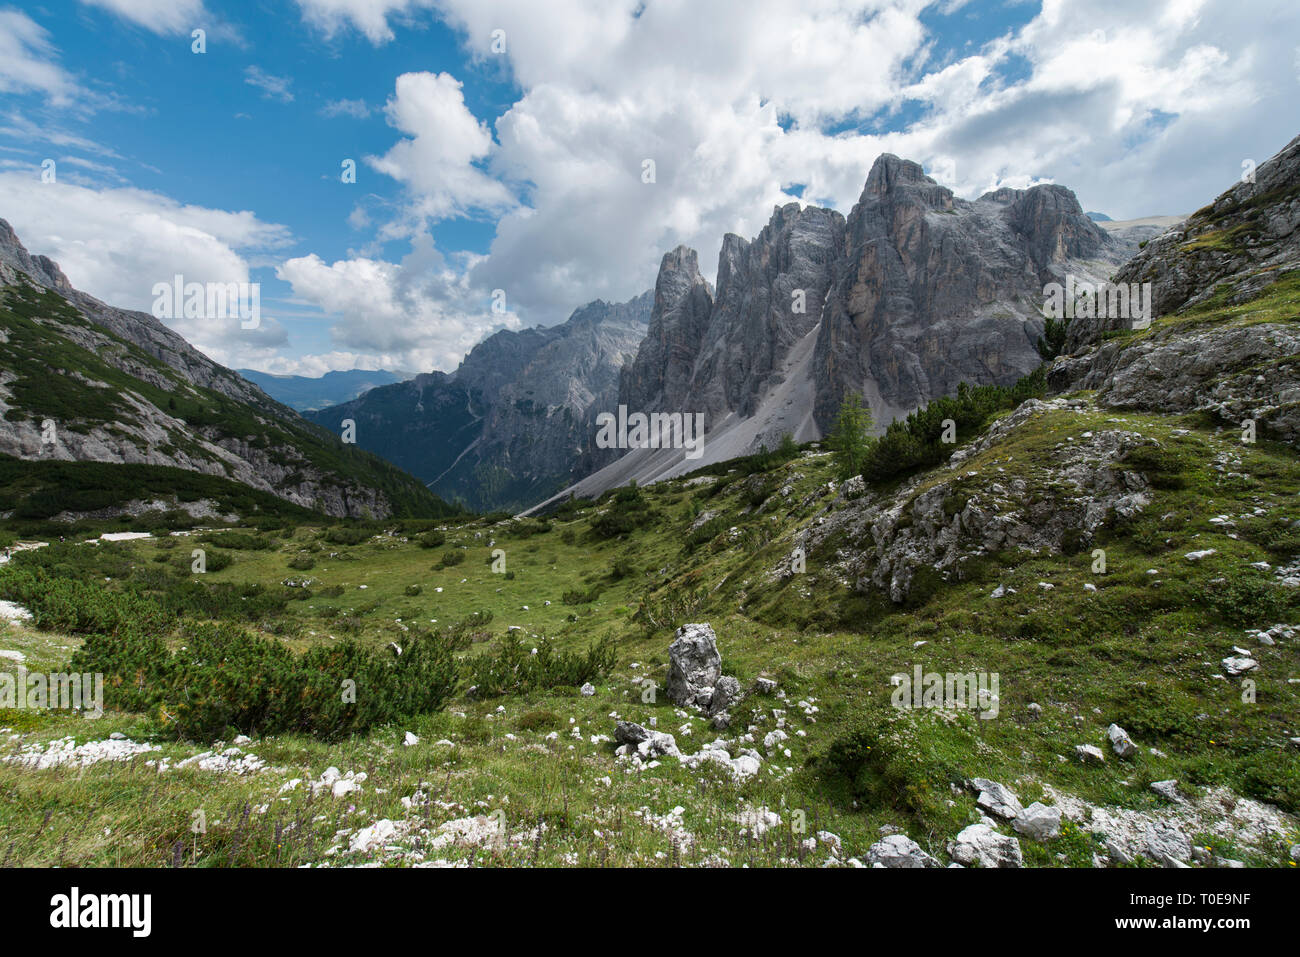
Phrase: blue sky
(519, 169)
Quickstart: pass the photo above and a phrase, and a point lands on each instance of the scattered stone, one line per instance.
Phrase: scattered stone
(1197, 556)
(1239, 665)
(898, 851)
(410, 740)
(1120, 742)
(1165, 843)
(1168, 790)
(1089, 754)
(996, 799)
(377, 835)
(1039, 821)
(773, 738)
(588, 690)
(646, 743)
(980, 844)
(725, 693)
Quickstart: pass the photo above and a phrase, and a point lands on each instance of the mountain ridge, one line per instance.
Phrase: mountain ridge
(126, 389)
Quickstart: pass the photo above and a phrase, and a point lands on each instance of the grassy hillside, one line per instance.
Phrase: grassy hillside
(526, 747)
(59, 366)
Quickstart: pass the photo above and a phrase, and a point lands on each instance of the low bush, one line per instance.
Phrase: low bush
(517, 668)
(432, 539)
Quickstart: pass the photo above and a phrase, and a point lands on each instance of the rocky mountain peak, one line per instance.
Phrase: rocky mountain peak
(660, 375)
(892, 180)
(15, 261)
(1054, 225)
(1003, 194)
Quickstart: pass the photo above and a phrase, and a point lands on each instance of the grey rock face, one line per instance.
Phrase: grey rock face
(1039, 822)
(1231, 251)
(934, 290)
(898, 851)
(895, 537)
(694, 666)
(659, 378)
(516, 421)
(1213, 369)
(1242, 242)
(980, 844)
(769, 297)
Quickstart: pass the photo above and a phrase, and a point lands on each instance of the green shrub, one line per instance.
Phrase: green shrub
(1163, 467)
(627, 509)
(302, 562)
(432, 539)
(1247, 597)
(518, 669)
(237, 541)
(917, 442)
(346, 535)
(576, 596)
(452, 557)
(81, 608)
(904, 760)
(223, 679)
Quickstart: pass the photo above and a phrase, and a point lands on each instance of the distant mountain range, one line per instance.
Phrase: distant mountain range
(916, 292)
(306, 394)
(515, 423)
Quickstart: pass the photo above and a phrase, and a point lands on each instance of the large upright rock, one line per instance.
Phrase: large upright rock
(694, 666)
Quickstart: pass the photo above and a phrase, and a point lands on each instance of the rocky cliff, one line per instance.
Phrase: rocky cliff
(915, 293)
(934, 290)
(1224, 339)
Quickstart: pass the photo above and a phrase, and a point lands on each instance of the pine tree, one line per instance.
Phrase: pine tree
(851, 437)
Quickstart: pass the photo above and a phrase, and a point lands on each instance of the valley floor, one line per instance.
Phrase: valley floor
(536, 777)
